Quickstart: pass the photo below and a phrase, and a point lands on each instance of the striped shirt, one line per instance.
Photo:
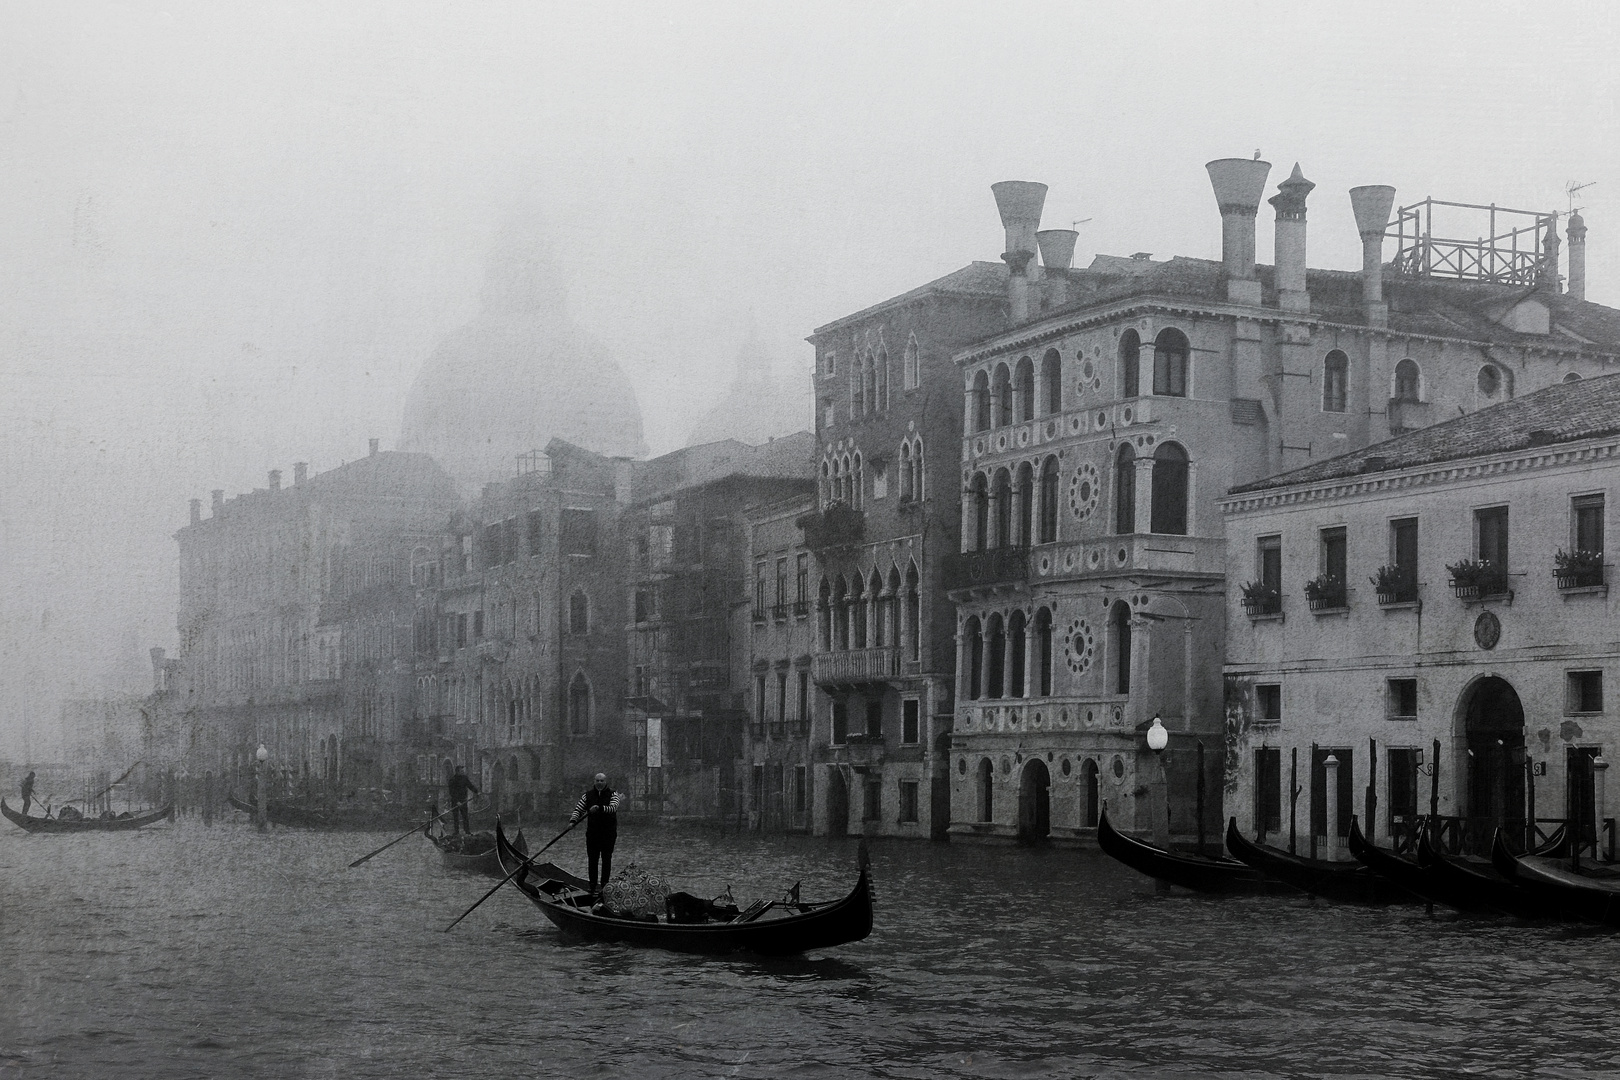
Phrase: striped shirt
(611, 806)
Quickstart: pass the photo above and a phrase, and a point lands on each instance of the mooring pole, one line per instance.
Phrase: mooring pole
(1293, 796)
(1434, 794)
(1372, 789)
(1325, 796)
(1200, 796)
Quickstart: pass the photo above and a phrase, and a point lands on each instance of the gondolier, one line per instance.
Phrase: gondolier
(460, 787)
(599, 807)
(28, 790)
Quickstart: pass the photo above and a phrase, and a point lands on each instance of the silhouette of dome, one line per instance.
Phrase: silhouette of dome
(519, 375)
(757, 407)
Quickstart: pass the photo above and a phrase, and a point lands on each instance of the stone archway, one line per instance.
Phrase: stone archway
(1034, 803)
(1491, 726)
(837, 803)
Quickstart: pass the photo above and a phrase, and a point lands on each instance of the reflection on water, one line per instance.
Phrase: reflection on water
(191, 951)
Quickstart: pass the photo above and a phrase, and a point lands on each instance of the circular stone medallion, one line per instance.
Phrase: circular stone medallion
(1487, 630)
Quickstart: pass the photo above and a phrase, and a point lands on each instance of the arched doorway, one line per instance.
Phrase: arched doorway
(1034, 803)
(1493, 756)
(837, 803)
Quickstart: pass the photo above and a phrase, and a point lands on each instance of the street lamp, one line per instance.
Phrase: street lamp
(1157, 737)
(262, 814)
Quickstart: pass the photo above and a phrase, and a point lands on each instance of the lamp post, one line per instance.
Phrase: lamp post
(1157, 739)
(262, 814)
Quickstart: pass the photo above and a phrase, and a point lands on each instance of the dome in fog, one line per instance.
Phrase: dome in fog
(519, 375)
(759, 406)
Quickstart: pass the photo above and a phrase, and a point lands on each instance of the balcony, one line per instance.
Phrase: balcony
(1395, 585)
(1261, 601)
(1326, 594)
(854, 667)
(839, 525)
(1478, 580)
(860, 751)
(985, 569)
(801, 608)
(1579, 570)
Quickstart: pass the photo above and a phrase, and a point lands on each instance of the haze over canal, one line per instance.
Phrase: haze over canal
(219, 952)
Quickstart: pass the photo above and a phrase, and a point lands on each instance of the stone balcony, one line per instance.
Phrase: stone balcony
(986, 569)
(986, 716)
(859, 751)
(855, 667)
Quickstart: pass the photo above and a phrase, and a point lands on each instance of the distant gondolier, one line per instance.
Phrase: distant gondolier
(28, 790)
(461, 786)
(599, 807)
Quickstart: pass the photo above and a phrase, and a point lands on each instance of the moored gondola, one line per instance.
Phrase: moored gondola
(127, 823)
(1346, 882)
(1472, 876)
(778, 928)
(1197, 872)
(1411, 874)
(474, 853)
(1590, 893)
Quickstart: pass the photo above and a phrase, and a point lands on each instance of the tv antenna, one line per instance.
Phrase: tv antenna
(1572, 188)
(1075, 225)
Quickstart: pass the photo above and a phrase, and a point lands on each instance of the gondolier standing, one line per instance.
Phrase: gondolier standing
(460, 786)
(28, 790)
(599, 806)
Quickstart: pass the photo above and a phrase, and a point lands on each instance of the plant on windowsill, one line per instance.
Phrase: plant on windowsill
(1578, 569)
(1475, 578)
(1261, 599)
(1325, 593)
(1395, 585)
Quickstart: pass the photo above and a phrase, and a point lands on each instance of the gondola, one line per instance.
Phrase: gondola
(1412, 875)
(768, 929)
(1197, 872)
(476, 853)
(1346, 882)
(86, 824)
(1476, 877)
(1591, 893)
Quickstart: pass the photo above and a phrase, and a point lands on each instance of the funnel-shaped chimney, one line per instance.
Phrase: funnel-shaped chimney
(1238, 184)
(1057, 247)
(1020, 203)
(1577, 256)
(1372, 204)
(1290, 241)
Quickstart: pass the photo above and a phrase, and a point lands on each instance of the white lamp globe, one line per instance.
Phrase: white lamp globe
(1157, 737)
(262, 754)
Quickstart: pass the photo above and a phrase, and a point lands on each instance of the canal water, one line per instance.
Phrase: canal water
(185, 951)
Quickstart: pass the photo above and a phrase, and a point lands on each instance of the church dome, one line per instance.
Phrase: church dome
(758, 407)
(519, 375)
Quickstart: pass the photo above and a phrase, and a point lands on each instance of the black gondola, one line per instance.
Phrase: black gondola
(126, 823)
(1349, 883)
(340, 816)
(774, 929)
(1197, 872)
(1413, 875)
(1591, 893)
(1469, 875)
(473, 853)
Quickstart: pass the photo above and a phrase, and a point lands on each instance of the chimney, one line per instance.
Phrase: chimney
(1290, 237)
(1019, 202)
(1372, 204)
(1577, 256)
(300, 471)
(1548, 277)
(275, 479)
(1057, 247)
(373, 447)
(196, 511)
(219, 502)
(1239, 183)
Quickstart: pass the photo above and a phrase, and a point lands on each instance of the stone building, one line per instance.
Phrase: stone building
(781, 641)
(519, 639)
(1446, 589)
(888, 421)
(688, 616)
(1103, 428)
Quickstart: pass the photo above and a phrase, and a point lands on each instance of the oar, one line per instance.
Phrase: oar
(391, 843)
(520, 867)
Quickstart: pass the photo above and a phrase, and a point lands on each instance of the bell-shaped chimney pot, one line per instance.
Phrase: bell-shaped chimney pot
(1372, 204)
(1238, 184)
(1057, 247)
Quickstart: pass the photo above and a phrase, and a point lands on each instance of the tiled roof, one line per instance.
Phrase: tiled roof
(987, 279)
(1567, 412)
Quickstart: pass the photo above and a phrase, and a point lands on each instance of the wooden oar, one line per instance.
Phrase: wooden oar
(520, 868)
(391, 843)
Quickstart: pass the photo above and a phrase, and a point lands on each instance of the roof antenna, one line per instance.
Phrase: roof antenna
(1076, 224)
(1571, 188)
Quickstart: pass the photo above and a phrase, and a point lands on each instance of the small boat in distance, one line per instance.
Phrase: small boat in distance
(474, 853)
(337, 816)
(1346, 882)
(1197, 872)
(126, 823)
(773, 928)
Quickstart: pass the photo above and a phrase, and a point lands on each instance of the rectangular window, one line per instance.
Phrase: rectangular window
(1334, 554)
(578, 532)
(801, 596)
(478, 623)
(874, 719)
(840, 723)
(1268, 701)
(1585, 692)
(643, 605)
(535, 522)
(780, 610)
(880, 479)
(759, 592)
(804, 699)
(800, 787)
(1403, 789)
(1403, 556)
(759, 701)
(908, 802)
(1401, 699)
(1268, 789)
(1345, 799)
(910, 716)
(829, 365)
(874, 799)
(1491, 530)
(781, 699)
(1268, 577)
(641, 680)
(1586, 523)
(461, 630)
(466, 553)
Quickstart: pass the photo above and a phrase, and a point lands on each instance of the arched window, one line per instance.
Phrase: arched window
(857, 614)
(913, 362)
(1043, 653)
(579, 613)
(840, 614)
(980, 403)
(1125, 490)
(1130, 364)
(913, 612)
(857, 489)
(880, 399)
(1001, 401)
(1024, 404)
(1017, 629)
(826, 484)
(1049, 501)
(1052, 381)
(997, 667)
(987, 781)
(857, 389)
(879, 634)
(975, 658)
(1573, 376)
(869, 375)
(1408, 381)
(1024, 504)
(907, 492)
(979, 496)
(1001, 499)
(1335, 381)
(1494, 381)
(1169, 490)
(917, 468)
(824, 611)
(1119, 647)
(579, 705)
(1170, 351)
(891, 607)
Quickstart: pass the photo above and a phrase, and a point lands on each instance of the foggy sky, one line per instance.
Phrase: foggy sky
(230, 234)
